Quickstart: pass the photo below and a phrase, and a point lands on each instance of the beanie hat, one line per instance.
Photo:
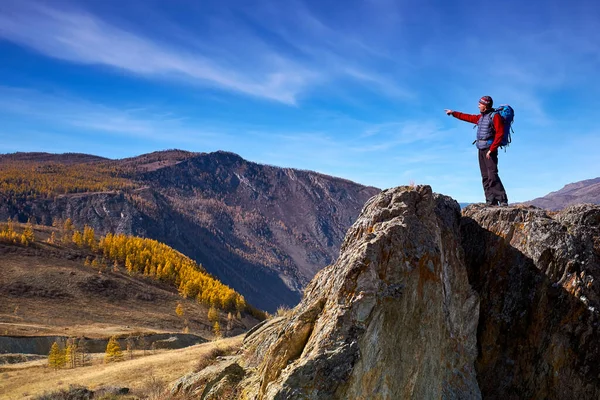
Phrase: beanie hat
(486, 101)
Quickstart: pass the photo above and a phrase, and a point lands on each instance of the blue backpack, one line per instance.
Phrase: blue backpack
(507, 114)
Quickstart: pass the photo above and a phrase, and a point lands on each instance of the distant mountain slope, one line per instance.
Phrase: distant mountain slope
(66, 158)
(263, 230)
(587, 191)
(46, 289)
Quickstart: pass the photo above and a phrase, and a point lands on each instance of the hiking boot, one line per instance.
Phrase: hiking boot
(491, 203)
(503, 204)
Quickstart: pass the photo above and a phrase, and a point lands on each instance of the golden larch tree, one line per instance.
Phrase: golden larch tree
(179, 310)
(113, 351)
(217, 329)
(56, 358)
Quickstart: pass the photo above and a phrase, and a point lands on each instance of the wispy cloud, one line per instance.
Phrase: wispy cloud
(83, 38)
(253, 66)
(147, 123)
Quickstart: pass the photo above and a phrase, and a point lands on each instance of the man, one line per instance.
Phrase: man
(489, 136)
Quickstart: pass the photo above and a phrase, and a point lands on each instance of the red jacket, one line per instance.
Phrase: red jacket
(474, 118)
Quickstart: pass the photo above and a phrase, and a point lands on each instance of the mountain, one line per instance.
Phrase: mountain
(264, 231)
(426, 302)
(587, 191)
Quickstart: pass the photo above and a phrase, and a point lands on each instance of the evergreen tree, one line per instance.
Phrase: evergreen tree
(113, 351)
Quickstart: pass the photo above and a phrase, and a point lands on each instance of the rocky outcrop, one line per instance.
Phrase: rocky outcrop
(218, 381)
(393, 318)
(423, 303)
(538, 276)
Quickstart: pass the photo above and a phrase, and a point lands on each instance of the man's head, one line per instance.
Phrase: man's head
(485, 103)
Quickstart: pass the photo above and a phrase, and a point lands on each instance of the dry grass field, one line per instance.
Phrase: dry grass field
(143, 375)
(46, 290)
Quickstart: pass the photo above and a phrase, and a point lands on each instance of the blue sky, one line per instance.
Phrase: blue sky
(355, 89)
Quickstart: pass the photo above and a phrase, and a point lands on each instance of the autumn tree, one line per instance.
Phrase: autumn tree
(27, 236)
(67, 230)
(56, 357)
(213, 314)
(71, 353)
(129, 265)
(179, 310)
(78, 238)
(161, 262)
(8, 233)
(113, 351)
(52, 238)
(89, 237)
(217, 329)
(229, 323)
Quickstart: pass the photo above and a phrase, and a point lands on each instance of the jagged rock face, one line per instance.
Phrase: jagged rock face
(393, 318)
(538, 276)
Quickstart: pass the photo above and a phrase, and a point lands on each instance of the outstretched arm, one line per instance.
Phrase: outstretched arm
(472, 118)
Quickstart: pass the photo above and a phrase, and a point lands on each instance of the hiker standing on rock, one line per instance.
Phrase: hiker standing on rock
(490, 131)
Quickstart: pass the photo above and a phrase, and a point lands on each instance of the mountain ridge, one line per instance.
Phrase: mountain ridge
(251, 225)
(586, 191)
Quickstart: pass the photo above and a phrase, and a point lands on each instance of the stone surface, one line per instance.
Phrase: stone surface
(217, 381)
(538, 277)
(393, 318)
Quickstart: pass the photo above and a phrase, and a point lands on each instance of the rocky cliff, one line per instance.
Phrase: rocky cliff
(426, 303)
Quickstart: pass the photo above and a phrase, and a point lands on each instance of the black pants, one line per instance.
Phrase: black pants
(492, 185)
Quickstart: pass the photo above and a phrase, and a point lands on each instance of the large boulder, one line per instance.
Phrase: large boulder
(393, 318)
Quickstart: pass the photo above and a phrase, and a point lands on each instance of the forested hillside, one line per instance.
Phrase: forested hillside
(263, 231)
(63, 276)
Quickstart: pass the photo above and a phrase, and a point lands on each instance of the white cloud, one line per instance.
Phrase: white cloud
(82, 38)
(70, 112)
(238, 60)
